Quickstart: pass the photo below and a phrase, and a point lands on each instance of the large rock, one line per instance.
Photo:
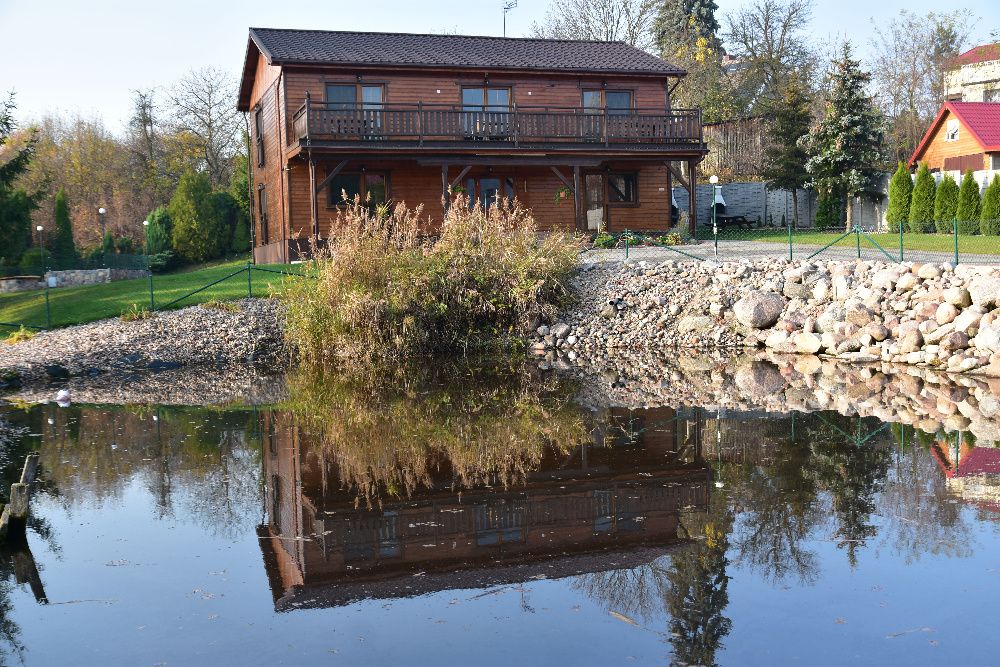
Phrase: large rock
(695, 324)
(560, 330)
(760, 378)
(911, 341)
(988, 339)
(945, 313)
(759, 310)
(958, 296)
(807, 343)
(985, 291)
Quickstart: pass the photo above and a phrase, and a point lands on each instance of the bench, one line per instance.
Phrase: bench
(725, 221)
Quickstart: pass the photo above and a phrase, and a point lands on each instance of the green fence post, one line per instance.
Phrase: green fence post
(789, 240)
(954, 232)
(900, 241)
(152, 301)
(857, 237)
(626, 243)
(48, 309)
(249, 282)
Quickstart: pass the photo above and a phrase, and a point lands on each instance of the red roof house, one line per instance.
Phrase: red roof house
(964, 136)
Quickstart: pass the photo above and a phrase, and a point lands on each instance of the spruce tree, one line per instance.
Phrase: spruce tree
(784, 156)
(900, 191)
(969, 205)
(193, 234)
(922, 202)
(989, 221)
(847, 148)
(16, 204)
(158, 232)
(63, 247)
(945, 204)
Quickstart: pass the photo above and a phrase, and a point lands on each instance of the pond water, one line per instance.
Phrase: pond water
(494, 521)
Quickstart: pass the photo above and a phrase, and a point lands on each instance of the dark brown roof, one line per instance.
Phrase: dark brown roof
(326, 47)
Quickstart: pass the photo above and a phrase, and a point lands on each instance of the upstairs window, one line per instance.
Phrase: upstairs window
(617, 102)
(485, 98)
(347, 95)
(258, 134)
(951, 130)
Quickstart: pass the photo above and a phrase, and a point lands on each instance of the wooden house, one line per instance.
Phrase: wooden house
(965, 136)
(581, 132)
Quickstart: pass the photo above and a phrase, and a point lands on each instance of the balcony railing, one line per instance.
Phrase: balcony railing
(517, 126)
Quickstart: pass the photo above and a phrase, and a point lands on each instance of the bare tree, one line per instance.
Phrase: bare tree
(911, 57)
(767, 39)
(628, 21)
(204, 106)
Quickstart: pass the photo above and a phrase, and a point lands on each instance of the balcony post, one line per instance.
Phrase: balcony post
(313, 199)
(515, 120)
(692, 197)
(605, 126)
(420, 122)
(308, 116)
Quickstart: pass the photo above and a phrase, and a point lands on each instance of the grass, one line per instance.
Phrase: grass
(77, 305)
(980, 245)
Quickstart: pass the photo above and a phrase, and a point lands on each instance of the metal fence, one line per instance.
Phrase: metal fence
(137, 302)
(753, 242)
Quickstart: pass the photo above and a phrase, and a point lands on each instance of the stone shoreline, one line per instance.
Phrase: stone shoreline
(248, 332)
(929, 315)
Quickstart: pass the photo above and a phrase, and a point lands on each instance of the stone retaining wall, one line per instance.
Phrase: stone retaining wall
(20, 284)
(78, 277)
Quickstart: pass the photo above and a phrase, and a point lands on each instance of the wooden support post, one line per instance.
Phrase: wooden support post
(445, 195)
(581, 223)
(15, 514)
(332, 174)
(458, 179)
(670, 198)
(30, 468)
(693, 197)
(313, 204)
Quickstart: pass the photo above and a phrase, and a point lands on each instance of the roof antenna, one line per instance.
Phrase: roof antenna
(507, 6)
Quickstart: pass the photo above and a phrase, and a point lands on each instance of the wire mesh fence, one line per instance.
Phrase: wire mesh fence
(40, 304)
(752, 242)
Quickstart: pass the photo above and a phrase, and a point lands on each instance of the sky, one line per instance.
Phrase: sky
(87, 56)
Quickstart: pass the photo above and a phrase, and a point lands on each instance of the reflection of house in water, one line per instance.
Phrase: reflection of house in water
(612, 503)
(973, 473)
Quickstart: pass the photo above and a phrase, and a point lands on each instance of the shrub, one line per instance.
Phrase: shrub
(108, 244)
(945, 204)
(225, 215)
(969, 205)
(605, 240)
(900, 192)
(162, 261)
(63, 247)
(158, 232)
(35, 259)
(383, 293)
(241, 237)
(135, 313)
(123, 244)
(21, 334)
(922, 202)
(989, 220)
(828, 210)
(197, 234)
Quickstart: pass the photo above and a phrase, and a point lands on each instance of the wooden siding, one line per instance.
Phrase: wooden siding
(938, 149)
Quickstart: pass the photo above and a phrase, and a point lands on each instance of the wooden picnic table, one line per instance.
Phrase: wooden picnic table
(725, 221)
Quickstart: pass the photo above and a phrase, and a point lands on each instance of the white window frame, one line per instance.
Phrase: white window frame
(951, 129)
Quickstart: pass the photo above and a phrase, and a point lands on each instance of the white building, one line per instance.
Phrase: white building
(975, 75)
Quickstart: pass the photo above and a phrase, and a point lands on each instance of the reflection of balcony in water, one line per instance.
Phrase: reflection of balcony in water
(609, 504)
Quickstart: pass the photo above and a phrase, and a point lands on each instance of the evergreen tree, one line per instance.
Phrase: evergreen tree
(945, 204)
(900, 192)
(785, 157)
(226, 215)
(829, 209)
(969, 205)
(687, 20)
(989, 221)
(63, 247)
(108, 244)
(158, 232)
(195, 234)
(239, 185)
(16, 204)
(847, 148)
(922, 202)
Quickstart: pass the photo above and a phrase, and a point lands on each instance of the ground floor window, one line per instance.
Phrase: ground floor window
(262, 213)
(488, 189)
(623, 189)
(371, 186)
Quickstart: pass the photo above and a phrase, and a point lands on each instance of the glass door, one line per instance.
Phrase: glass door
(371, 108)
(595, 203)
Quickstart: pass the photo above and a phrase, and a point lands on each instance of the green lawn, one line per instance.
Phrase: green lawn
(982, 245)
(76, 305)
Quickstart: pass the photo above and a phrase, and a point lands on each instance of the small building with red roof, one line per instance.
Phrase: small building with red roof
(965, 136)
(974, 76)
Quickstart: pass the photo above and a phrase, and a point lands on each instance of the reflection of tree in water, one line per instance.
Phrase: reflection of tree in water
(10, 632)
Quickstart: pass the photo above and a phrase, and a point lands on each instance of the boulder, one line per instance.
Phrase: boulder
(760, 378)
(958, 296)
(945, 313)
(985, 291)
(929, 271)
(560, 329)
(968, 321)
(759, 310)
(956, 340)
(988, 339)
(695, 324)
(807, 343)
(911, 341)
(907, 282)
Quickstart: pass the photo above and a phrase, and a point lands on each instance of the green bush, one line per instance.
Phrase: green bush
(383, 293)
(921, 217)
(162, 262)
(197, 232)
(123, 245)
(604, 240)
(63, 247)
(35, 258)
(945, 204)
(900, 191)
(108, 244)
(989, 221)
(969, 205)
(241, 237)
(158, 232)
(829, 209)
(225, 213)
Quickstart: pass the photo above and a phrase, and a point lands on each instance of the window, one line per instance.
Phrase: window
(372, 187)
(617, 102)
(341, 96)
(951, 130)
(486, 112)
(262, 213)
(487, 190)
(485, 98)
(995, 161)
(592, 101)
(623, 189)
(991, 95)
(258, 130)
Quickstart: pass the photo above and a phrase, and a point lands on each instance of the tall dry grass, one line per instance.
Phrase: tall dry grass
(386, 291)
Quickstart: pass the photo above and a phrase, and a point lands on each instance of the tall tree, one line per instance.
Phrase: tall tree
(626, 21)
(202, 107)
(921, 216)
(16, 204)
(197, 232)
(945, 204)
(989, 220)
(846, 148)
(911, 58)
(784, 155)
(767, 39)
(63, 247)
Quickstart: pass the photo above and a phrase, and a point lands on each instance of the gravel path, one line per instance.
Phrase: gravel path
(248, 331)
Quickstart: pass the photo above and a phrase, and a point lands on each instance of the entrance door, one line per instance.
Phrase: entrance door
(595, 203)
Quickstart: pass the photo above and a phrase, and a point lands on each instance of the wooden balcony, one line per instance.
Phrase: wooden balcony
(435, 125)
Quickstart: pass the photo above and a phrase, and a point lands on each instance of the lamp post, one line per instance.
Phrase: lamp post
(145, 231)
(714, 180)
(100, 220)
